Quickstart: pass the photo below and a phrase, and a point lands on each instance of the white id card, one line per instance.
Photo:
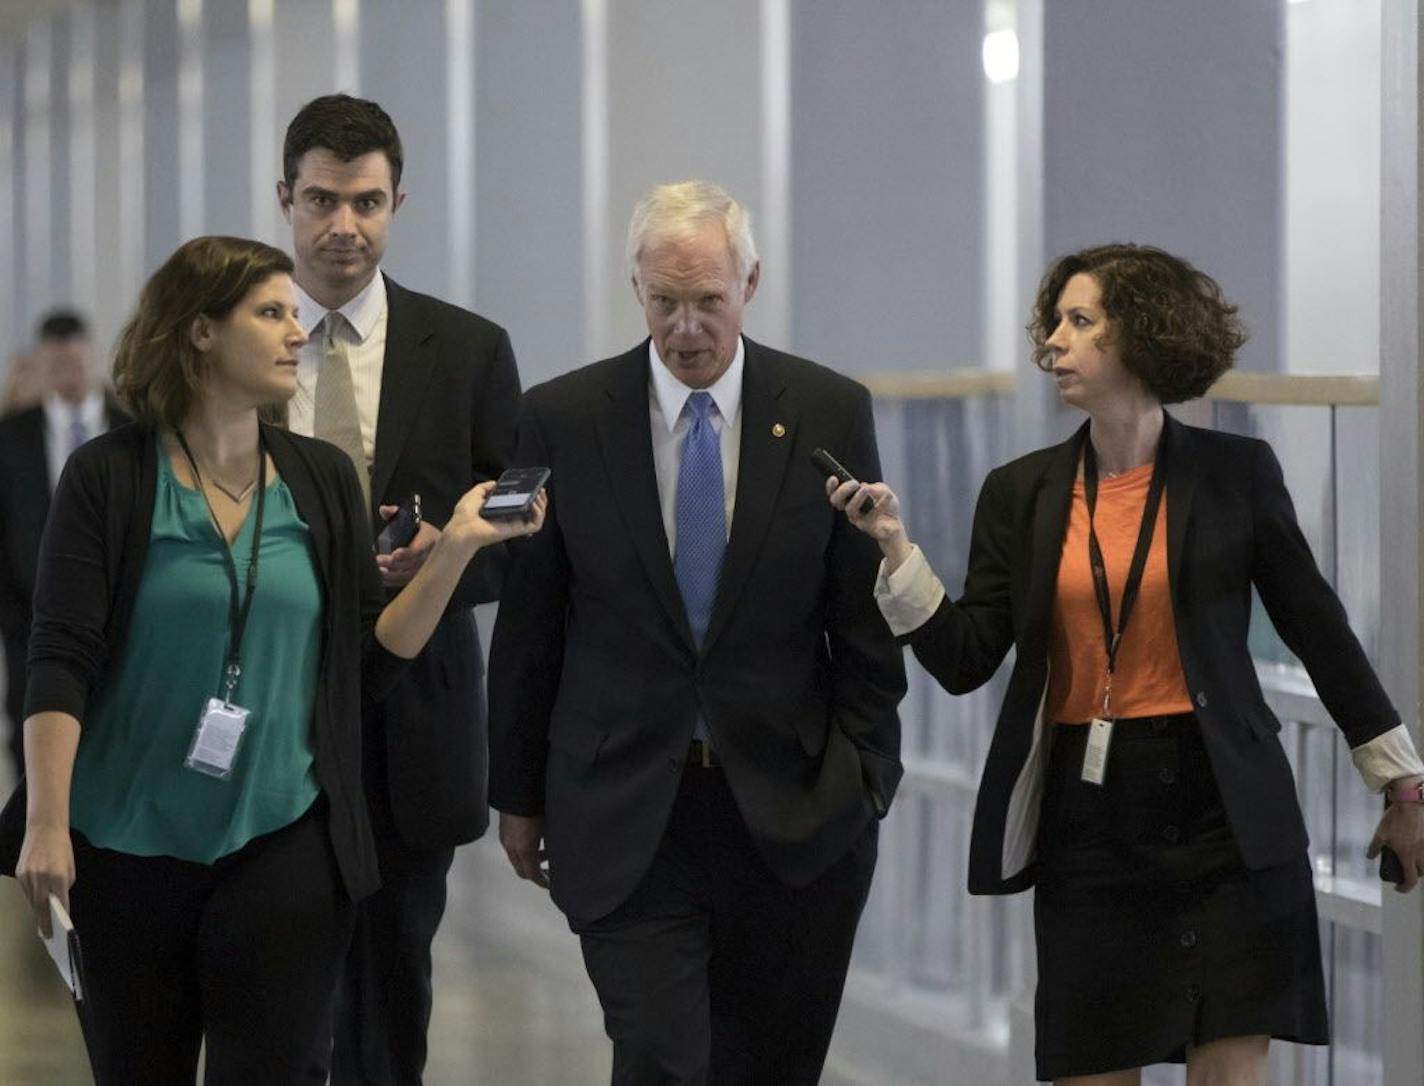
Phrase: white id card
(1095, 758)
(216, 739)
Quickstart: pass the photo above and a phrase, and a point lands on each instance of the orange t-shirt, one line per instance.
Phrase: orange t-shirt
(1148, 680)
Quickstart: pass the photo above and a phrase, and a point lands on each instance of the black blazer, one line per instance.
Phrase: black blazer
(1230, 526)
(91, 562)
(449, 402)
(25, 488)
(595, 680)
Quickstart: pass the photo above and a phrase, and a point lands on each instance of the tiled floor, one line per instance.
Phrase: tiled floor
(512, 1004)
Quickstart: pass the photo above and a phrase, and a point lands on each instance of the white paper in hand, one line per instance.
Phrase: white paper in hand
(63, 947)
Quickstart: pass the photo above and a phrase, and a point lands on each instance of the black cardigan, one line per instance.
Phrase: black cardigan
(1230, 526)
(91, 560)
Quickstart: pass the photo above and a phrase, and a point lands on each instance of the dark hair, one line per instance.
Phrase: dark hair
(1169, 321)
(347, 127)
(157, 369)
(61, 324)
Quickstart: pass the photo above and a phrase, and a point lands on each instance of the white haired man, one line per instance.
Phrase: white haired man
(692, 694)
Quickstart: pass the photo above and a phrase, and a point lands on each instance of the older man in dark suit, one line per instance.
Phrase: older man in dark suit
(34, 444)
(422, 395)
(692, 695)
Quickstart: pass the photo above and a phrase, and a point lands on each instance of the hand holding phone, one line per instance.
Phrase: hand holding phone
(401, 528)
(827, 464)
(513, 495)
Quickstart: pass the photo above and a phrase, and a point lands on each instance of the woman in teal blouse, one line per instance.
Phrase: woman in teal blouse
(207, 619)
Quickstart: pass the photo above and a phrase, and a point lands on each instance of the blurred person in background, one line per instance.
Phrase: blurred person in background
(24, 383)
(35, 442)
(1135, 779)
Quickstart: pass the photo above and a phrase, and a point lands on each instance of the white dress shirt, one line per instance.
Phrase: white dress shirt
(366, 315)
(59, 417)
(666, 398)
(909, 596)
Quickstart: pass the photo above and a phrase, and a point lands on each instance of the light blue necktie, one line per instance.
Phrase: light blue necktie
(78, 432)
(701, 515)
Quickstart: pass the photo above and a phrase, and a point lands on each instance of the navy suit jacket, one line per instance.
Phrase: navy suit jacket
(449, 403)
(596, 680)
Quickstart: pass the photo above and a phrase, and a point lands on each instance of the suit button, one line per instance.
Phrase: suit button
(1201, 699)
(1166, 776)
(1171, 834)
(1193, 993)
(674, 765)
(1189, 939)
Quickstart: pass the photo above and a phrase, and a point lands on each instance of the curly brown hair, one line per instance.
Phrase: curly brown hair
(158, 372)
(1169, 321)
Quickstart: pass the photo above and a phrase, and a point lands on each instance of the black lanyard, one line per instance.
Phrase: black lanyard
(1113, 638)
(236, 614)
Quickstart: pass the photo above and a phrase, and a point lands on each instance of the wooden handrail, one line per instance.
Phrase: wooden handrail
(939, 384)
(1236, 386)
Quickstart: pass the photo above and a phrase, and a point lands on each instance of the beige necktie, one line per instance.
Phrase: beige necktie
(335, 418)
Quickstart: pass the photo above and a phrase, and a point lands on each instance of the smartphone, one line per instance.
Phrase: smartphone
(401, 528)
(513, 495)
(827, 464)
(1390, 869)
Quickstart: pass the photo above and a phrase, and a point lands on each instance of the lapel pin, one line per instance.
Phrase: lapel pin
(777, 430)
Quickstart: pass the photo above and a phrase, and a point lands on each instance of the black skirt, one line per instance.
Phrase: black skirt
(1152, 934)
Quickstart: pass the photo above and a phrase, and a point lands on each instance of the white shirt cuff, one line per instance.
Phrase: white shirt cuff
(1386, 758)
(909, 596)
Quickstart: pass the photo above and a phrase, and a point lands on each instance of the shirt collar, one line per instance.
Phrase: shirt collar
(671, 395)
(362, 312)
(59, 411)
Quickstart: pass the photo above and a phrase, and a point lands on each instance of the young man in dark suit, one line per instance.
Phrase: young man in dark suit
(34, 444)
(422, 395)
(692, 695)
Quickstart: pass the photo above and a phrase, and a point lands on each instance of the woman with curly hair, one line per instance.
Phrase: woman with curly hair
(1135, 778)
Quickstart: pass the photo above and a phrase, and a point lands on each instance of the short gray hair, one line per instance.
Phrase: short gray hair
(682, 206)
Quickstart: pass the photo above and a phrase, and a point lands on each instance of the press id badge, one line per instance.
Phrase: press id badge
(1095, 757)
(216, 739)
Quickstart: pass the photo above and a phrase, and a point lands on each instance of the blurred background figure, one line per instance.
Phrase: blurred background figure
(24, 384)
(54, 403)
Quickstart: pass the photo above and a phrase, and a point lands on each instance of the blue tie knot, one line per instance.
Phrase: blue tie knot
(701, 404)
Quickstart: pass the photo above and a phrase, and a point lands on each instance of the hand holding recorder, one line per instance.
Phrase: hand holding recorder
(871, 507)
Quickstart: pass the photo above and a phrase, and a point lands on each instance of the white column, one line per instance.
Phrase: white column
(460, 163)
(83, 170)
(191, 159)
(130, 179)
(266, 154)
(39, 291)
(1401, 455)
(596, 233)
(773, 230)
(346, 22)
(12, 337)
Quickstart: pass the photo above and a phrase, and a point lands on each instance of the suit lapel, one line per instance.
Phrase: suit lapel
(624, 431)
(1181, 487)
(761, 465)
(1050, 518)
(405, 373)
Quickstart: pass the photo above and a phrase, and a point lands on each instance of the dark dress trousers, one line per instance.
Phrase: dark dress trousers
(596, 682)
(449, 402)
(1230, 526)
(25, 488)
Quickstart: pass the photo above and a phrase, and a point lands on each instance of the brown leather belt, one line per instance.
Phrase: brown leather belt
(701, 755)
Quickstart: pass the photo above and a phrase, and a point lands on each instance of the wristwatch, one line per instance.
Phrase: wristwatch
(1406, 791)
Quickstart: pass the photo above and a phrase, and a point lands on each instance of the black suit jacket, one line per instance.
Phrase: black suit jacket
(25, 488)
(595, 680)
(1230, 526)
(449, 402)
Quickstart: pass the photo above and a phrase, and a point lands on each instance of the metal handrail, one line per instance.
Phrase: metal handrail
(1235, 386)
